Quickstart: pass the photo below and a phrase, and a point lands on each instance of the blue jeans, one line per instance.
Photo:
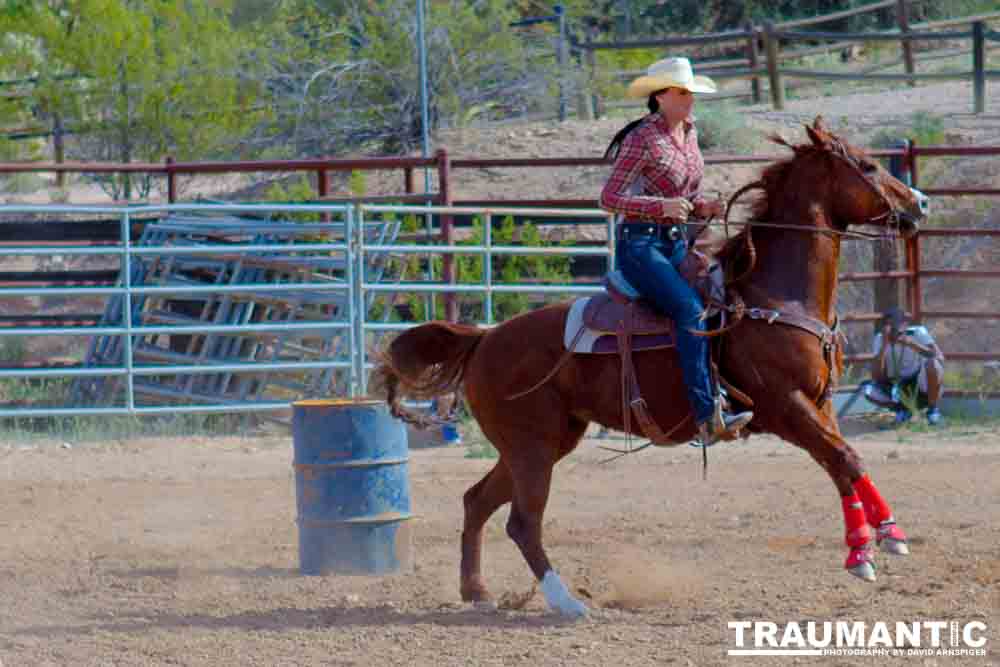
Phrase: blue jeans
(650, 265)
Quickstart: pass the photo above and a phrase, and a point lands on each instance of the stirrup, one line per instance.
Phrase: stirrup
(721, 426)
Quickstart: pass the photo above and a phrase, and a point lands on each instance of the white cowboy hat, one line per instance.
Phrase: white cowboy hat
(670, 73)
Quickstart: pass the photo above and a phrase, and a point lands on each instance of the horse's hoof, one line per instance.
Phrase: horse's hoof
(485, 605)
(560, 599)
(891, 539)
(573, 609)
(896, 547)
(475, 591)
(864, 571)
(859, 563)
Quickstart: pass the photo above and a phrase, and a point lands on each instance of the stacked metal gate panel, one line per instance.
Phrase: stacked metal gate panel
(232, 269)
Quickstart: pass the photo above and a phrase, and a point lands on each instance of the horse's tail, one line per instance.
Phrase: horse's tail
(426, 361)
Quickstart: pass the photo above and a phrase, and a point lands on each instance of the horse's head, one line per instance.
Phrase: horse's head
(860, 190)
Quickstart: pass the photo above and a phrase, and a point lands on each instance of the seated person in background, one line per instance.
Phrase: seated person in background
(907, 361)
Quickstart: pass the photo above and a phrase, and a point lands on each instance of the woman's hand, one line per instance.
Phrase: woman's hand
(715, 208)
(676, 208)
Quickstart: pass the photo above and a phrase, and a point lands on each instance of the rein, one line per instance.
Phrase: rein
(759, 185)
(866, 236)
(839, 151)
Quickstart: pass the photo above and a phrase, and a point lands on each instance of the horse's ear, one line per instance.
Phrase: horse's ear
(819, 137)
(776, 138)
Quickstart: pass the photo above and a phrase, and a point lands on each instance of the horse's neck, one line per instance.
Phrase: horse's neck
(795, 270)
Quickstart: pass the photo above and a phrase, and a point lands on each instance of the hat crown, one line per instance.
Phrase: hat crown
(669, 73)
(678, 69)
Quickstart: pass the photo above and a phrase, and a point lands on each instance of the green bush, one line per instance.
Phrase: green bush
(481, 450)
(724, 128)
(924, 129)
(22, 183)
(477, 445)
(509, 269)
(13, 349)
(298, 190)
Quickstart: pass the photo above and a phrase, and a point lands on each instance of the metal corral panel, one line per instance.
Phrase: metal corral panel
(352, 487)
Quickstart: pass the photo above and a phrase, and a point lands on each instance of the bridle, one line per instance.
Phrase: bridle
(891, 214)
(890, 218)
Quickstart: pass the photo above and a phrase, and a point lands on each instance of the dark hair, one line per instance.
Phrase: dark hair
(894, 318)
(616, 143)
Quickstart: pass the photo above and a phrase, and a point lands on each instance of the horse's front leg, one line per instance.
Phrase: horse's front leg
(480, 502)
(863, 506)
(889, 536)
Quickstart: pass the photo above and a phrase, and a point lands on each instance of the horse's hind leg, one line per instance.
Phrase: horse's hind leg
(532, 473)
(818, 433)
(531, 492)
(480, 501)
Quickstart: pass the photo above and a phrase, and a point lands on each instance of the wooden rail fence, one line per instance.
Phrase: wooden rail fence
(764, 55)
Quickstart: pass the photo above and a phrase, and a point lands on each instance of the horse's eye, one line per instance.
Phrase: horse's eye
(869, 167)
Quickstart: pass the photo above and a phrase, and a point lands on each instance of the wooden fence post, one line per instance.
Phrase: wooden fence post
(771, 47)
(323, 183)
(590, 55)
(885, 252)
(584, 108)
(916, 297)
(979, 66)
(907, 45)
(914, 291)
(409, 180)
(323, 190)
(447, 234)
(561, 59)
(58, 148)
(753, 57)
(171, 180)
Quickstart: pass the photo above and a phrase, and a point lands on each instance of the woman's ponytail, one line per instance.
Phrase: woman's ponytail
(616, 143)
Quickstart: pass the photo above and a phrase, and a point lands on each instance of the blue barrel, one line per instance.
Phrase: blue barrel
(352, 487)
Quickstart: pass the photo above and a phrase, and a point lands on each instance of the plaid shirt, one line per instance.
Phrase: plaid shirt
(652, 166)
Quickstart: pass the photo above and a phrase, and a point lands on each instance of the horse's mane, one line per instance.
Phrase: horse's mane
(772, 180)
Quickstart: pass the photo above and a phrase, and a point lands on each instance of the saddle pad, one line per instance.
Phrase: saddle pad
(600, 342)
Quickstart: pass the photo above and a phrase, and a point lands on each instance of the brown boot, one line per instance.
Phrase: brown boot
(722, 425)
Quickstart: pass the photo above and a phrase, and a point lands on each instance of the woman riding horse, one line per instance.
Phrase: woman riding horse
(655, 183)
(784, 356)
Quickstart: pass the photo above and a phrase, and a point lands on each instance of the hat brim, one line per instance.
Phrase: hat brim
(644, 85)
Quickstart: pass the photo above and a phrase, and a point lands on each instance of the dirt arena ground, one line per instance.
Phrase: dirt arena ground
(184, 552)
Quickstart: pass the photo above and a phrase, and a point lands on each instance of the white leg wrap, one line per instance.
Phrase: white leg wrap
(559, 598)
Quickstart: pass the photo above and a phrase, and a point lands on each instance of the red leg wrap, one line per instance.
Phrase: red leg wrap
(858, 556)
(876, 509)
(858, 532)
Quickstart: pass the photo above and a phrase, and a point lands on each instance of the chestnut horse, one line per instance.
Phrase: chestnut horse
(785, 356)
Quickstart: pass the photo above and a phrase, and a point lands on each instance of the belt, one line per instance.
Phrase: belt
(631, 230)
